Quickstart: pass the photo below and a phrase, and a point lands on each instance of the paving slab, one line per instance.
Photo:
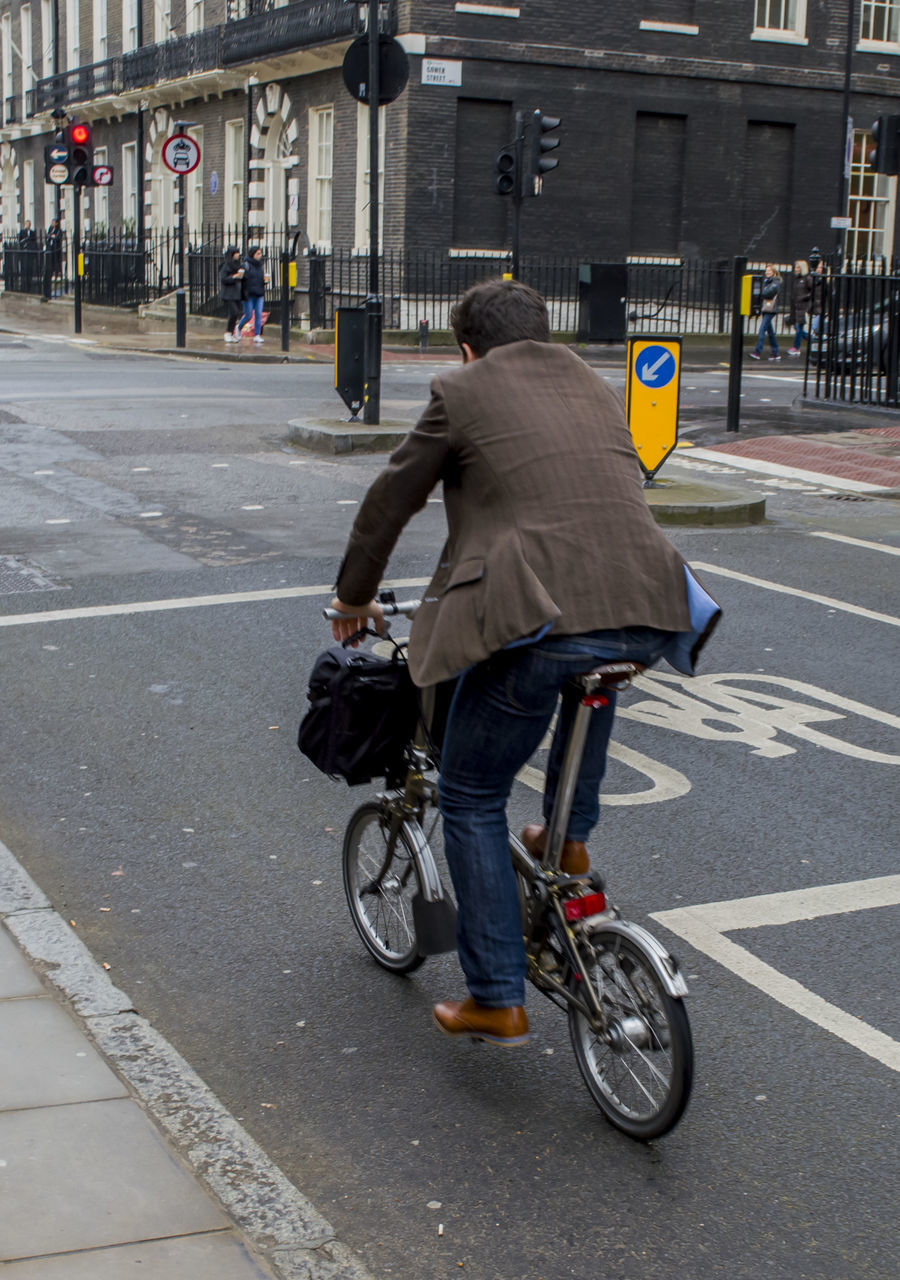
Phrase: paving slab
(216, 1256)
(17, 978)
(89, 1175)
(46, 1061)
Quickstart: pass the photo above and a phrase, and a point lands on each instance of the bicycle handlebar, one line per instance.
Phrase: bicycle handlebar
(405, 607)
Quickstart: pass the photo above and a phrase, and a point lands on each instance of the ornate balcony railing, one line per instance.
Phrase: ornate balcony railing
(81, 85)
(293, 26)
(172, 59)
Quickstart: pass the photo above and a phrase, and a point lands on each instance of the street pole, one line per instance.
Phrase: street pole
(733, 421)
(518, 194)
(76, 253)
(845, 122)
(372, 405)
(180, 307)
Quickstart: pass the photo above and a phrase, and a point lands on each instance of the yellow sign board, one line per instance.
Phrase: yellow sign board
(292, 275)
(651, 398)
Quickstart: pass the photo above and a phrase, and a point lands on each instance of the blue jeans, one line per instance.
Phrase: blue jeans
(500, 712)
(253, 307)
(767, 326)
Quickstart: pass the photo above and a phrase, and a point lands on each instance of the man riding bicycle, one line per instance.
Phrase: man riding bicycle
(553, 563)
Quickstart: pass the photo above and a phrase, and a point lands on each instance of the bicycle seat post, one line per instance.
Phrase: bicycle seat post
(568, 777)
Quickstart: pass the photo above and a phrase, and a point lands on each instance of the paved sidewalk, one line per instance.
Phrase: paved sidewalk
(115, 1159)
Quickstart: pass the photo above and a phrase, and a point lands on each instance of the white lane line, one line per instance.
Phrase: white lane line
(185, 602)
(703, 927)
(858, 542)
(788, 473)
(829, 601)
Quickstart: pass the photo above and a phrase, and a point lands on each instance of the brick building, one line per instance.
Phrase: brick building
(689, 127)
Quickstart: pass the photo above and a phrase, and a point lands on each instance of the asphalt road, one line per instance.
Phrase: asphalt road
(151, 786)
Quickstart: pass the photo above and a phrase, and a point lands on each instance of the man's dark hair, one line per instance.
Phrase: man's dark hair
(498, 312)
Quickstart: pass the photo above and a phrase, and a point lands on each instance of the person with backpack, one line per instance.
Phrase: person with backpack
(254, 289)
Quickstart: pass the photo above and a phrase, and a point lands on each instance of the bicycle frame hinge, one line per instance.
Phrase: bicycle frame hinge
(594, 701)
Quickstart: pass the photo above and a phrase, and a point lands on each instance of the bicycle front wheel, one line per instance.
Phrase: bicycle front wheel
(639, 1069)
(380, 884)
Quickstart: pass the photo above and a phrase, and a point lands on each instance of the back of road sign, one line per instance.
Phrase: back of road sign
(651, 398)
(349, 356)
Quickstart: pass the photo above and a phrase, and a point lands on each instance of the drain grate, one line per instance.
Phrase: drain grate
(16, 576)
(846, 497)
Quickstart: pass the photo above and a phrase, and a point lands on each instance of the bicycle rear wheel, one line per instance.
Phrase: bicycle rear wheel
(640, 1071)
(380, 885)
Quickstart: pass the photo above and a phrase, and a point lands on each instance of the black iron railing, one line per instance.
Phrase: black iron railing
(292, 26)
(172, 59)
(853, 353)
(12, 111)
(40, 269)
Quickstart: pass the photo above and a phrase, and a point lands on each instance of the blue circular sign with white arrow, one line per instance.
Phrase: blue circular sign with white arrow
(655, 367)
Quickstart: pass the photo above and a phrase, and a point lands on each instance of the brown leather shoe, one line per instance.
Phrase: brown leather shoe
(575, 860)
(496, 1026)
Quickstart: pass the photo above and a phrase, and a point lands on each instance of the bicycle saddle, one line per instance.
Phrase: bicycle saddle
(614, 675)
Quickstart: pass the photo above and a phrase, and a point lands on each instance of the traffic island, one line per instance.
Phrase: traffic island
(324, 436)
(691, 503)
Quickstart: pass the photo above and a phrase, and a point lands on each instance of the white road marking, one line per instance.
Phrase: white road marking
(704, 926)
(776, 469)
(668, 783)
(829, 601)
(185, 602)
(858, 542)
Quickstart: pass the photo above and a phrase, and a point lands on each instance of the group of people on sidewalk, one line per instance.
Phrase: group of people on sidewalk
(242, 287)
(807, 302)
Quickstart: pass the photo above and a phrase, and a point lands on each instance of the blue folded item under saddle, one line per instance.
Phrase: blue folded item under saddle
(683, 649)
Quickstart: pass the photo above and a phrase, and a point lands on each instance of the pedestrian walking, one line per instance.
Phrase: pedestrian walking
(254, 289)
(27, 241)
(771, 291)
(52, 257)
(818, 298)
(801, 301)
(231, 275)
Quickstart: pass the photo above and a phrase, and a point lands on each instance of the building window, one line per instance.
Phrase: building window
(783, 20)
(361, 234)
(162, 20)
(129, 185)
(27, 59)
(101, 199)
(869, 205)
(234, 172)
(28, 192)
(73, 40)
(193, 15)
(129, 25)
(194, 185)
(48, 42)
(101, 42)
(6, 67)
(321, 173)
(880, 22)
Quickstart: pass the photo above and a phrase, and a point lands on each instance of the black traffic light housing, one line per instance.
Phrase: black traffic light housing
(81, 155)
(886, 156)
(539, 162)
(57, 151)
(507, 171)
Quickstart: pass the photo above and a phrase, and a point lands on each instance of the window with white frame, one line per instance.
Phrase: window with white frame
(129, 184)
(361, 232)
(73, 35)
(48, 37)
(870, 204)
(27, 57)
(162, 20)
(194, 185)
(129, 25)
(321, 176)
(780, 20)
(879, 22)
(101, 197)
(193, 15)
(28, 192)
(6, 61)
(50, 193)
(101, 39)
(234, 172)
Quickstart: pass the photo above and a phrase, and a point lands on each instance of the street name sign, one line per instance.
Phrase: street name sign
(651, 398)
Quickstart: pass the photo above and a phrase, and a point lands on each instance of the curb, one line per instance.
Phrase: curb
(282, 1227)
(347, 437)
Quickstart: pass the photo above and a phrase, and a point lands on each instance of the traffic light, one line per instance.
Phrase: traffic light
(507, 177)
(885, 157)
(81, 155)
(540, 163)
(56, 154)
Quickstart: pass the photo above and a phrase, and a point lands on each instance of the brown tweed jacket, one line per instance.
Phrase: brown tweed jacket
(545, 510)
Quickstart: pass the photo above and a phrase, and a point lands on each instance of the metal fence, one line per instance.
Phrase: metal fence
(854, 347)
(41, 270)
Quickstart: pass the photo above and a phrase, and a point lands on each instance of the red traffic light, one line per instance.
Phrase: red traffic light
(80, 133)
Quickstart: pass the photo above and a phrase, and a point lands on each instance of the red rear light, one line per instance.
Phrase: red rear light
(579, 908)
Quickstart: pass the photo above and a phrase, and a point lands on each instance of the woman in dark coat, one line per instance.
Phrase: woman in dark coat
(801, 303)
(254, 292)
(231, 275)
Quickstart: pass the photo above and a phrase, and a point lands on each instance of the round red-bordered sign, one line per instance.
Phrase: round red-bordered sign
(180, 153)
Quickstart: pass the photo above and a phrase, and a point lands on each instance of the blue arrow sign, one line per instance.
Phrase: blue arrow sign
(655, 367)
(58, 154)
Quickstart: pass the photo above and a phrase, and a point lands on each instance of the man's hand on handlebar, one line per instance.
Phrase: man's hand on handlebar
(358, 617)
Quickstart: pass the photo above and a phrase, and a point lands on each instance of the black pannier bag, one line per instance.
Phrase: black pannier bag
(362, 713)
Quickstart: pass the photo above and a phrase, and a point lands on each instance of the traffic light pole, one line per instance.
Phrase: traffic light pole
(372, 405)
(76, 254)
(518, 194)
(733, 421)
(180, 307)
